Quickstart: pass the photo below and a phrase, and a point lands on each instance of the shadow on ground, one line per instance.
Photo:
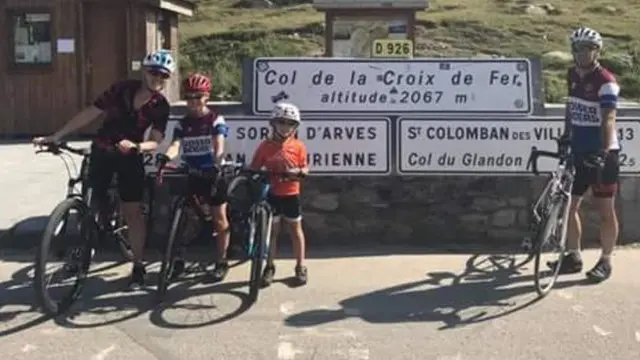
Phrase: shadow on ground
(487, 282)
(105, 301)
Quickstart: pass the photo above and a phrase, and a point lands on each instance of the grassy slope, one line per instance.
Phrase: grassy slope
(220, 36)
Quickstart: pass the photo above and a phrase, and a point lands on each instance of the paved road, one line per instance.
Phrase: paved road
(45, 180)
(425, 307)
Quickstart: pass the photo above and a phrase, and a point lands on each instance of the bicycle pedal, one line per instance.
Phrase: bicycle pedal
(526, 244)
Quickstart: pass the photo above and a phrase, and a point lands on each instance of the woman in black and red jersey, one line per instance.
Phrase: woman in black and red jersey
(130, 108)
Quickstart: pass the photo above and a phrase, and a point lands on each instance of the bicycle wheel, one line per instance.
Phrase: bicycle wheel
(177, 224)
(75, 248)
(258, 237)
(551, 239)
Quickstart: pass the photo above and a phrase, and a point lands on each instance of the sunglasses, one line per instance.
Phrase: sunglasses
(579, 47)
(193, 96)
(286, 122)
(158, 74)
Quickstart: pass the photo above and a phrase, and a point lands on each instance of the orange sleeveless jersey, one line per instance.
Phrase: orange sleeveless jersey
(278, 157)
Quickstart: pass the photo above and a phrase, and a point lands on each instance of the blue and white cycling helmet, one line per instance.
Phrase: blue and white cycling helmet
(160, 60)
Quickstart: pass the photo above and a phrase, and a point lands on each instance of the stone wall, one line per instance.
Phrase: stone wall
(433, 211)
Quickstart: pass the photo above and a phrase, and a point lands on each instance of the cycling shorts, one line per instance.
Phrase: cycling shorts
(129, 168)
(603, 183)
(287, 206)
(214, 195)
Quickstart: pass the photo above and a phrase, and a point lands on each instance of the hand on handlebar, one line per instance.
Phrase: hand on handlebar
(45, 140)
(127, 146)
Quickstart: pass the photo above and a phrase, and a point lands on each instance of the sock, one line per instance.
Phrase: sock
(605, 257)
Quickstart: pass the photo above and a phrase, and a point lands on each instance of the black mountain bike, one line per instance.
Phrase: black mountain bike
(185, 206)
(73, 233)
(549, 216)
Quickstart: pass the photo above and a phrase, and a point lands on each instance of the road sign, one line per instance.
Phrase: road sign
(374, 86)
(392, 48)
(491, 147)
(345, 146)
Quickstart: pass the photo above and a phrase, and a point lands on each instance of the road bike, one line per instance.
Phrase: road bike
(186, 207)
(75, 230)
(549, 215)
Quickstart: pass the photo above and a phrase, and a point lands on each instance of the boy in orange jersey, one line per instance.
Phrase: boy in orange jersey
(283, 153)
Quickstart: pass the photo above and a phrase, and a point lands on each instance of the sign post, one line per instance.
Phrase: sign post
(342, 147)
(394, 87)
(491, 147)
(352, 27)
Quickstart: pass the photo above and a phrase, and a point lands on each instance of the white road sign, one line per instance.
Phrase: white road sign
(484, 147)
(335, 146)
(368, 86)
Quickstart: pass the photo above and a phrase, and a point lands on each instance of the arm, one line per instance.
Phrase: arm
(219, 148)
(304, 165)
(608, 94)
(567, 111)
(91, 113)
(159, 118)
(174, 149)
(258, 159)
(82, 119)
(220, 131)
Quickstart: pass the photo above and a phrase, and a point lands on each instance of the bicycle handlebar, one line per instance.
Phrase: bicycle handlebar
(562, 155)
(58, 148)
(237, 168)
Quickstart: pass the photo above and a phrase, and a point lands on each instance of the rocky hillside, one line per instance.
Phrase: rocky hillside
(225, 31)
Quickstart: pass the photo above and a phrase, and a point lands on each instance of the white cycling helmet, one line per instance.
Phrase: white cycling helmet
(588, 35)
(286, 111)
(160, 60)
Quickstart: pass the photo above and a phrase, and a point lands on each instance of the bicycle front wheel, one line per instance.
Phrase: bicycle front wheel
(70, 235)
(550, 245)
(260, 230)
(177, 226)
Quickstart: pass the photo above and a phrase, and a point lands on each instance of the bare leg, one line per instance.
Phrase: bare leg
(133, 216)
(574, 227)
(609, 226)
(222, 228)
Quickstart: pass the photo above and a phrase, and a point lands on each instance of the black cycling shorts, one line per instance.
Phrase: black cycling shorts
(204, 188)
(286, 206)
(129, 169)
(604, 183)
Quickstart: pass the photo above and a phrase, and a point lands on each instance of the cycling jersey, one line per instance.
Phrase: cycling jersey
(278, 157)
(123, 121)
(197, 136)
(588, 95)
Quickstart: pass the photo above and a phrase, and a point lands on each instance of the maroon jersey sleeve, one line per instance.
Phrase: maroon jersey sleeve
(159, 115)
(109, 98)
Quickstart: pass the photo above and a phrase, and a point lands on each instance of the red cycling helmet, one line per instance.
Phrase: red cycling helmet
(196, 83)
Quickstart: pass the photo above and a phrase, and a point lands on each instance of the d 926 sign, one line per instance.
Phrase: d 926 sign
(392, 48)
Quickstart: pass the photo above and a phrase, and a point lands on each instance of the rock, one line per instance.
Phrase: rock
(562, 56)
(504, 218)
(253, 4)
(487, 204)
(604, 9)
(513, 236)
(534, 10)
(518, 202)
(550, 9)
(474, 220)
(524, 218)
(325, 202)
